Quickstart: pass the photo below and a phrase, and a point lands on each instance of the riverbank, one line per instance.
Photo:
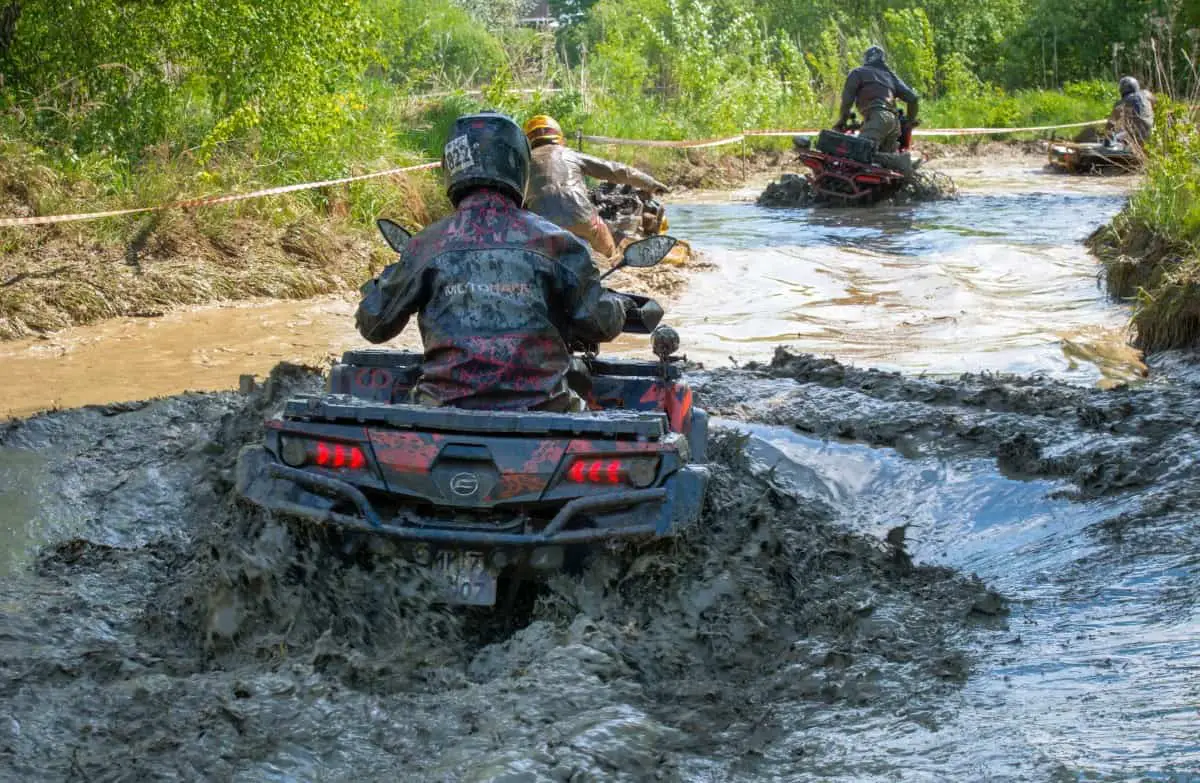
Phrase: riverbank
(1151, 250)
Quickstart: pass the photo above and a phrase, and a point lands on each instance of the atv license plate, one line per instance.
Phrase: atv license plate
(465, 578)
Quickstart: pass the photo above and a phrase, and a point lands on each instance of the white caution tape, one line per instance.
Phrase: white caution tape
(663, 143)
(210, 200)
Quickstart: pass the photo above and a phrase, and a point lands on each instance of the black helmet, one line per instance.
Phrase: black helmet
(874, 56)
(486, 150)
(1128, 85)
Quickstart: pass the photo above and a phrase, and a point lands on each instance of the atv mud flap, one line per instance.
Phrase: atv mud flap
(655, 513)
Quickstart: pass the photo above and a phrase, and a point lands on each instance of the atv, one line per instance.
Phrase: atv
(844, 168)
(1113, 153)
(475, 495)
(630, 214)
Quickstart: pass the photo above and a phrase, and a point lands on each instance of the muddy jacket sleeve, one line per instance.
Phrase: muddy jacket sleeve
(389, 301)
(611, 171)
(908, 95)
(849, 93)
(592, 314)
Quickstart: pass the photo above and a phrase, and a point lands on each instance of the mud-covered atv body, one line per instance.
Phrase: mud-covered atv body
(843, 168)
(630, 214)
(1090, 157)
(474, 493)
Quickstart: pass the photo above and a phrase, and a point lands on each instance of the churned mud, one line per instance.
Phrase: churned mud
(165, 632)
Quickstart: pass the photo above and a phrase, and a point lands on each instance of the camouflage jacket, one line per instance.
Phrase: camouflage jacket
(498, 291)
(1134, 113)
(558, 191)
(871, 84)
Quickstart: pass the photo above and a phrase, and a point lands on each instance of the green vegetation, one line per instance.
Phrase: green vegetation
(109, 103)
(1151, 250)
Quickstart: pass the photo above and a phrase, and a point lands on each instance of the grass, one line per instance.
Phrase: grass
(321, 241)
(1151, 250)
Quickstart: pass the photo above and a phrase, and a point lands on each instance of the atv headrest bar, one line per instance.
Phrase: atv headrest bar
(552, 534)
(340, 407)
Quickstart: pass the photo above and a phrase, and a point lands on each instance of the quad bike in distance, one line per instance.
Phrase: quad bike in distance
(1113, 153)
(843, 168)
(473, 494)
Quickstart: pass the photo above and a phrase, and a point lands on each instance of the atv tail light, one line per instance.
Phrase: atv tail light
(335, 455)
(297, 452)
(640, 472)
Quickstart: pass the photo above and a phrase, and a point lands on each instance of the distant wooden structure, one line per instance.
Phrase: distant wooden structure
(540, 16)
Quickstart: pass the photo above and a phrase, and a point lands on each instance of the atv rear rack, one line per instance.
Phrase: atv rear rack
(553, 533)
(642, 425)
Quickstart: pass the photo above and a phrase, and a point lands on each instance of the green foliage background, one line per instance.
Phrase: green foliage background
(314, 89)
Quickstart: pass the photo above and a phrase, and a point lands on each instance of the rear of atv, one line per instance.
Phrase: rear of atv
(475, 495)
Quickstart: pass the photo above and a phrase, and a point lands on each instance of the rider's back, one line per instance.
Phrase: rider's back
(495, 287)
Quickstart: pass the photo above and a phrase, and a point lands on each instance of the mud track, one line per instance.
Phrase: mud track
(168, 633)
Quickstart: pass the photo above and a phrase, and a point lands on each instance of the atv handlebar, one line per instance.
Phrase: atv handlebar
(639, 319)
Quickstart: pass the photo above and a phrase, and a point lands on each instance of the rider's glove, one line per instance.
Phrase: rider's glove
(627, 303)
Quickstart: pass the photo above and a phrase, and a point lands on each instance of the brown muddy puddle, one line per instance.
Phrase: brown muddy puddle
(995, 280)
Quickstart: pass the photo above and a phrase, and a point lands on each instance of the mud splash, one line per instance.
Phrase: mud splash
(174, 635)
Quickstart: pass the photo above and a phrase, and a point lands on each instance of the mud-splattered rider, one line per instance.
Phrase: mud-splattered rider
(558, 191)
(873, 87)
(1132, 116)
(497, 289)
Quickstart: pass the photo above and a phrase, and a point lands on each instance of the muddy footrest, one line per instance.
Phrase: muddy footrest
(382, 357)
(648, 425)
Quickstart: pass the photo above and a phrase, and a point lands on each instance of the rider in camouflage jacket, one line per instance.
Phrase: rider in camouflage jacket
(498, 290)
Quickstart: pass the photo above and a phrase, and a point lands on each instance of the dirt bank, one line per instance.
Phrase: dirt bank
(1161, 275)
(168, 633)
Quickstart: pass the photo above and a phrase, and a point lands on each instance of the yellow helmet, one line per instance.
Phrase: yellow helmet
(543, 129)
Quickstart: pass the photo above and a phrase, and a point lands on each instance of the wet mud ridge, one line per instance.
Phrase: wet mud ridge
(169, 633)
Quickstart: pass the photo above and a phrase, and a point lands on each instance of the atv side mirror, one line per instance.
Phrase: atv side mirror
(394, 234)
(644, 253)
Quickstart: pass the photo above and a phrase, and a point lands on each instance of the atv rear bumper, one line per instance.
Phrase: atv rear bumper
(271, 485)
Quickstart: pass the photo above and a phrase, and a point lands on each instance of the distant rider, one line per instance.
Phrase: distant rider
(558, 192)
(497, 289)
(1132, 117)
(873, 87)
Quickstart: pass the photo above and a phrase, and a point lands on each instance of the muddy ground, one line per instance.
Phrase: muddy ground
(167, 633)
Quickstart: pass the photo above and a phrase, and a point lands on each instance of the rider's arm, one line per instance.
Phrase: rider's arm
(389, 301)
(593, 314)
(611, 171)
(849, 93)
(909, 96)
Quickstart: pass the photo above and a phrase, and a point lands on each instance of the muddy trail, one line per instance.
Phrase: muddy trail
(995, 279)
(164, 632)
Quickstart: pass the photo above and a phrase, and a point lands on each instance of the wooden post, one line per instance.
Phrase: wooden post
(579, 140)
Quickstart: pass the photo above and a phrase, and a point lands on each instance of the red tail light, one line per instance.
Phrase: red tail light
(297, 452)
(638, 471)
(597, 471)
(336, 455)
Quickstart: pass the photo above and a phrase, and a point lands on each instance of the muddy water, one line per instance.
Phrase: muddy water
(995, 280)
(1099, 669)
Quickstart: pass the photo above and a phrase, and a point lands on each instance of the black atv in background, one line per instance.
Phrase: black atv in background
(477, 494)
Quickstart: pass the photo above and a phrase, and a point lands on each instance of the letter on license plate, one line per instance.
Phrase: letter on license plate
(466, 578)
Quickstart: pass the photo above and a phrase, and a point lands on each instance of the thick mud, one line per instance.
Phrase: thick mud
(167, 633)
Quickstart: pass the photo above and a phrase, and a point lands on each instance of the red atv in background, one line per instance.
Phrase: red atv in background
(475, 494)
(843, 167)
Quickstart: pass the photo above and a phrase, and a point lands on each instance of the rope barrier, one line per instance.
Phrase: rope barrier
(210, 200)
(661, 143)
